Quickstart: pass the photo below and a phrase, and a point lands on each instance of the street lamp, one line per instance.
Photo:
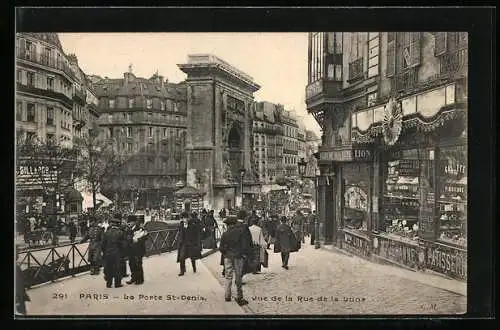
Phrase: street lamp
(242, 174)
(302, 171)
(302, 167)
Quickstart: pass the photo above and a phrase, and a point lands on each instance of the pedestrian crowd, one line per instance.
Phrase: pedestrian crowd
(244, 245)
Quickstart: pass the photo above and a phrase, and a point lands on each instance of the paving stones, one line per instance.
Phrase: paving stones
(328, 283)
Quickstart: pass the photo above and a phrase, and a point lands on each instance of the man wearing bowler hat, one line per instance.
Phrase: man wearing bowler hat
(113, 244)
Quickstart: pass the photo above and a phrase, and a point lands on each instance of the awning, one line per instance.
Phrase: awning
(272, 187)
(101, 200)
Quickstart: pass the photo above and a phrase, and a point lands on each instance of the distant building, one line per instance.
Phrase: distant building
(44, 90)
(301, 140)
(147, 119)
(267, 145)
(290, 143)
(85, 111)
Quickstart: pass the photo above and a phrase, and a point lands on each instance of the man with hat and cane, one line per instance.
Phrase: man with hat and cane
(94, 235)
(113, 244)
(137, 250)
(235, 247)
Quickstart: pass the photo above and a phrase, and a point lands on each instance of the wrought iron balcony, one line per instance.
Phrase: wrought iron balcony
(46, 92)
(323, 88)
(80, 96)
(405, 80)
(265, 130)
(43, 59)
(454, 62)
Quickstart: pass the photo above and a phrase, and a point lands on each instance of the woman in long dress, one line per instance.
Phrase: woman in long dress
(259, 245)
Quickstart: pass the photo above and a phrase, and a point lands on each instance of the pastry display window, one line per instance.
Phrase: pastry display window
(452, 198)
(401, 194)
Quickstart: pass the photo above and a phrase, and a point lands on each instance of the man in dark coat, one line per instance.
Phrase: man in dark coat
(94, 235)
(235, 247)
(137, 250)
(312, 226)
(127, 232)
(298, 226)
(286, 242)
(113, 243)
(189, 242)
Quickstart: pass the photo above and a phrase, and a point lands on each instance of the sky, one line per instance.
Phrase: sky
(276, 61)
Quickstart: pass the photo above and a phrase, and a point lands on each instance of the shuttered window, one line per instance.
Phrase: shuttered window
(415, 49)
(440, 43)
(391, 57)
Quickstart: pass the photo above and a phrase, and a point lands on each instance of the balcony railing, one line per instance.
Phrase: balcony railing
(405, 80)
(356, 69)
(46, 92)
(453, 62)
(80, 95)
(43, 59)
(265, 130)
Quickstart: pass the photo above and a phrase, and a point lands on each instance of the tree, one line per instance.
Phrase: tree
(98, 161)
(44, 165)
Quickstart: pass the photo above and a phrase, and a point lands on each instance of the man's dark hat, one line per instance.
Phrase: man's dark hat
(117, 216)
(230, 220)
(242, 214)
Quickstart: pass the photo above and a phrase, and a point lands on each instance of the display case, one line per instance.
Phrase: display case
(452, 198)
(401, 197)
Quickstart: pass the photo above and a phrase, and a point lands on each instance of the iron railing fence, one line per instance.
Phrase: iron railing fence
(47, 264)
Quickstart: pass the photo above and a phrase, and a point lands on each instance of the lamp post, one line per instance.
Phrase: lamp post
(302, 171)
(242, 174)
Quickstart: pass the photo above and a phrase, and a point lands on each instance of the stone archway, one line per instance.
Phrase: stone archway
(235, 150)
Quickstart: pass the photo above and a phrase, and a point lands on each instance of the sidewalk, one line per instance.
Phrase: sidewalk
(423, 277)
(163, 293)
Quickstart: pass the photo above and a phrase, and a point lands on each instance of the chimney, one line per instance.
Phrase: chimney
(160, 80)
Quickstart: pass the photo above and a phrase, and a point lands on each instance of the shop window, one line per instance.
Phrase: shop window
(402, 193)
(452, 199)
(355, 196)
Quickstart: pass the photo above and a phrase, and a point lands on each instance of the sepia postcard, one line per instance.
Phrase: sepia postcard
(314, 173)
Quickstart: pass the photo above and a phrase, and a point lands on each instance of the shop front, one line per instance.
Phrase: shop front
(409, 206)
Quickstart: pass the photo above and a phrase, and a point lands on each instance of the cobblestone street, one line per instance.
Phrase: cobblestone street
(350, 285)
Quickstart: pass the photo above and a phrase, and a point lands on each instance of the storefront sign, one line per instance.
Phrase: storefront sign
(404, 253)
(448, 261)
(356, 244)
(347, 155)
(31, 175)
